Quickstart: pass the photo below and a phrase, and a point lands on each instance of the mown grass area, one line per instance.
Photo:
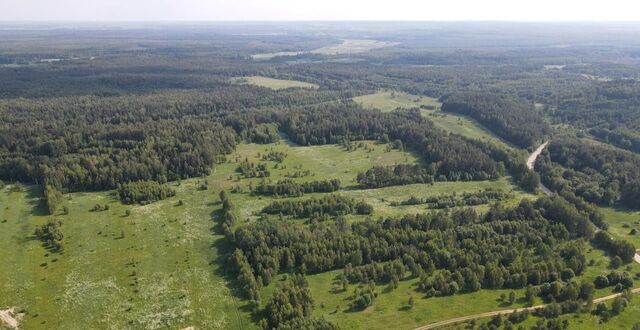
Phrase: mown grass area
(430, 108)
(161, 266)
(273, 83)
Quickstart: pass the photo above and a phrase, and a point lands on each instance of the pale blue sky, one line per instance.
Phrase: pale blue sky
(240, 10)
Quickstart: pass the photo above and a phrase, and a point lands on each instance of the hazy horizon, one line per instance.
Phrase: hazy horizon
(329, 10)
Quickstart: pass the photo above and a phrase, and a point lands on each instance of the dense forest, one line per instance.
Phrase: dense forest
(599, 174)
(514, 120)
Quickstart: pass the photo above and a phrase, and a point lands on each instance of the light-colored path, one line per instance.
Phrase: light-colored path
(505, 311)
(532, 160)
(9, 318)
(436, 325)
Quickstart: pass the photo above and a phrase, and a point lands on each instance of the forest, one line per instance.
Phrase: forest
(228, 175)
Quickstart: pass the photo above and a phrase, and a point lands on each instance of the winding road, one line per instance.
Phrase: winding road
(531, 161)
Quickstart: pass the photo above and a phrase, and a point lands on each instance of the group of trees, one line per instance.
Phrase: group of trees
(227, 216)
(144, 192)
(449, 155)
(252, 170)
(465, 199)
(599, 174)
(290, 188)
(506, 248)
(51, 235)
(615, 247)
(53, 198)
(274, 156)
(402, 174)
(291, 306)
(515, 120)
(332, 205)
(620, 280)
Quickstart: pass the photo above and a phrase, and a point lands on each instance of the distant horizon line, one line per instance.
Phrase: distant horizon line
(239, 21)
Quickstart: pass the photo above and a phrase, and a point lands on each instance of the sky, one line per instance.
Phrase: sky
(306, 10)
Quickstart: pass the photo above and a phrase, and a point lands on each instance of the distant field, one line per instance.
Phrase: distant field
(348, 46)
(273, 83)
(430, 107)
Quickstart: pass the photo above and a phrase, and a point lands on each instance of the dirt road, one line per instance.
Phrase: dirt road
(509, 311)
(502, 312)
(532, 160)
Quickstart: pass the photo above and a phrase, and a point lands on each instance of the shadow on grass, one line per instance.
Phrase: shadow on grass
(36, 201)
(221, 267)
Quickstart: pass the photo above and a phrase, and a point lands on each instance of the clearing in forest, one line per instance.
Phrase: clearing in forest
(430, 107)
(273, 83)
(346, 47)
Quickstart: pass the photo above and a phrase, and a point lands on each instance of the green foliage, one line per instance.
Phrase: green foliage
(51, 235)
(333, 205)
(53, 198)
(597, 173)
(617, 248)
(144, 192)
(515, 120)
(251, 170)
(384, 176)
(288, 188)
(291, 306)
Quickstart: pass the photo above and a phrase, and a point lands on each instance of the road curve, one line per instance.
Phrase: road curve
(505, 311)
(531, 162)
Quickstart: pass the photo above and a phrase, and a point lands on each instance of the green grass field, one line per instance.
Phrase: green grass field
(390, 311)
(273, 83)
(621, 222)
(158, 267)
(161, 266)
(430, 108)
(149, 270)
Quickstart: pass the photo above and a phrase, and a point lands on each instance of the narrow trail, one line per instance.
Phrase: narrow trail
(506, 311)
(531, 162)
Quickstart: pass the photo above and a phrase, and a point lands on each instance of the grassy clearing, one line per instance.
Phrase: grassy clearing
(390, 309)
(587, 321)
(621, 222)
(149, 270)
(353, 46)
(347, 46)
(160, 267)
(273, 83)
(430, 108)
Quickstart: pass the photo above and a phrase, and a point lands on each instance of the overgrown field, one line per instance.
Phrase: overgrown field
(273, 83)
(161, 265)
(430, 107)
